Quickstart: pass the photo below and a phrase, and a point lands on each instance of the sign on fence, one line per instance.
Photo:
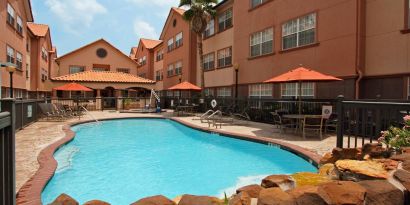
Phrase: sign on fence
(29, 111)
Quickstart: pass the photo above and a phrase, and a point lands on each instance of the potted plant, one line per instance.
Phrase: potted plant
(397, 137)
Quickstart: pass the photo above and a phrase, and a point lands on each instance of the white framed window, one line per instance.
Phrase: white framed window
(170, 93)
(261, 90)
(158, 75)
(255, 3)
(44, 54)
(76, 69)
(225, 57)
(144, 60)
(10, 55)
(261, 43)
(210, 28)
(160, 55)
(225, 20)
(19, 25)
(170, 70)
(19, 60)
(44, 74)
(178, 40)
(123, 70)
(299, 32)
(209, 92)
(98, 69)
(209, 61)
(292, 90)
(224, 92)
(178, 68)
(170, 44)
(10, 14)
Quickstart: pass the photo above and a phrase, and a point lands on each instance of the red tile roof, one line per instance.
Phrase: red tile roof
(150, 43)
(38, 29)
(178, 10)
(103, 77)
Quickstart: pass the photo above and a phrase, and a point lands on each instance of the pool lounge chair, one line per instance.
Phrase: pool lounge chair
(217, 119)
(49, 113)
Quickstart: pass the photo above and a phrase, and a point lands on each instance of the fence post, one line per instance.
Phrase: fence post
(340, 121)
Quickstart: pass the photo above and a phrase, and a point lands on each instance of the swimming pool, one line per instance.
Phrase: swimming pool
(121, 161)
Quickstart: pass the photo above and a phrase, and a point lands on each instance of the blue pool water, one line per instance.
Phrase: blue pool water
(121, 161)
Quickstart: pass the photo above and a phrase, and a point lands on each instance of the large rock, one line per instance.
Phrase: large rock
(381, 192)
(154, 200)
(406, 165)
(96, 202)
(401, 157)
(199, 200)
(275, 196)
(252, 190)
(284, 182)
(342, 192)
(388, 164)
(307, 195)
(354, 170)
(327, 159)
(242, 198)
(374, 150)
(403, 177)
(64, 199)
(346, 153)
(309, 178)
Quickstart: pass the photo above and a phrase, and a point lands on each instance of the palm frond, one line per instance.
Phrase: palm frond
(189, 15)
(185, 3)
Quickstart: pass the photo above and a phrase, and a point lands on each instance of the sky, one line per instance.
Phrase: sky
(75, 23)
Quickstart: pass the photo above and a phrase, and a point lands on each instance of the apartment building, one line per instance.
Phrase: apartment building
(14, 15)
(159, 66)
(145, 57)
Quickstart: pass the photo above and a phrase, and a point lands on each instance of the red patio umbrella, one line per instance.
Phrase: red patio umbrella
(300, 75)
(73, 87)
(185, 86)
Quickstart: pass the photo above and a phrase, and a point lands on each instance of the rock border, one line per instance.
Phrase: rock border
(30, 192)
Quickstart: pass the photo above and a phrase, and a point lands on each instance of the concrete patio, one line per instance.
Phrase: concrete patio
(34, 138)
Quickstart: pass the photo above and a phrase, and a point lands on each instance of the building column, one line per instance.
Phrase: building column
(98, 101)
(118, 95)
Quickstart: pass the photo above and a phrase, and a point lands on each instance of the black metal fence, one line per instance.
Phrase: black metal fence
(26, 111)
(7, 157)
(362, 121)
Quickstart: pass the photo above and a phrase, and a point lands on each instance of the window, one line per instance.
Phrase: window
(76, 69)
(170, 93)
(261, 90)
(142, 75)
(19, 61)
(170, 44)
(27, 71)
(178, 68)
(158, 75)
(143, 61)
(160, 55)
(299, 32)
(209, 61)
(10, 55)
(209, 92)
(225, 57)
(292, 90)
(44, 54)
(178, 40)
(224, 92)
(261, 43)
(10, 15)
(123, 70)
(170, 70)
(255, 3)
(225, 20)
(100, 69)
(44, 74)
(210, 29)
(19, 25)
(408, 88)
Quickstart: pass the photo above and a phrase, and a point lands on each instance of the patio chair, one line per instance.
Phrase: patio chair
(47, 111)
(312, 123)
(331, 123)
(282, 124)
(59, 108)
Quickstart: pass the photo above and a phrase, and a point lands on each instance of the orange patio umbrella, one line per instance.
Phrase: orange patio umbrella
(185, 86)
(73, 87)
(300, 75)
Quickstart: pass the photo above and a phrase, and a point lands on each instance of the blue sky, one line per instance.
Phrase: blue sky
(75, 23)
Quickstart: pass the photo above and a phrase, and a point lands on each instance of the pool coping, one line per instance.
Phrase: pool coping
(30, 192)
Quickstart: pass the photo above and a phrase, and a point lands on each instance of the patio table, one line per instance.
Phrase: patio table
(299, 118)
(184, 109)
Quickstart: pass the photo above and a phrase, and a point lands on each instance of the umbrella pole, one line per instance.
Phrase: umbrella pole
(300, 97)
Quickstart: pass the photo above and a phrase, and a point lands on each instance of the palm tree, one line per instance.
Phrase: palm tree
(198, 15)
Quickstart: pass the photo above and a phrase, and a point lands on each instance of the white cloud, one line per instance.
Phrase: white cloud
(76, 13)
(160, 3)
(144, 30)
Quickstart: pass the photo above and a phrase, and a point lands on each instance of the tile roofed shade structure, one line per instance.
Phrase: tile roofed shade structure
(103, 77)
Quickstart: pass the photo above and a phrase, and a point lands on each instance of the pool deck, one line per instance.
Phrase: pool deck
(33, 139)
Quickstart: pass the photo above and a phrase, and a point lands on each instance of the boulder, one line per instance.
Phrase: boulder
(242, 198)
(326, 169)
(327, 159)
(381, 192)
(346, 153)
(252, 190)
(154, 200)
(275, 196)
(405, 150)
(285, 182)
(96, 202)
(375, 150)
(354, 170)
(64, 199)
(401, 157)
(403, 177)
(308, 178)
(406, 165)
(199, 200)
(306, 195)
(342, 192)
(388, 164)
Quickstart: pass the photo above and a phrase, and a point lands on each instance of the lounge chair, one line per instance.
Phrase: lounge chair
(47, 111)
(217, 119)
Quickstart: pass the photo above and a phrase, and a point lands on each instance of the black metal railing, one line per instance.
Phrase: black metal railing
(7, 156)
(362, 121)
(26, 111)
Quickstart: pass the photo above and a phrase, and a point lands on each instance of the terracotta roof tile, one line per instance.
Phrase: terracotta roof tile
(38, 29)
(150, 43)
(179, 10)
(103, 77)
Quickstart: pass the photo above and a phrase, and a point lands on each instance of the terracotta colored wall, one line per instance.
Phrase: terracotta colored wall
(387, 49)
(38, 63)
(147, 68)
(158, 66)
(10, 37)
(87, 57)
(336, 27)
(186, 53)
